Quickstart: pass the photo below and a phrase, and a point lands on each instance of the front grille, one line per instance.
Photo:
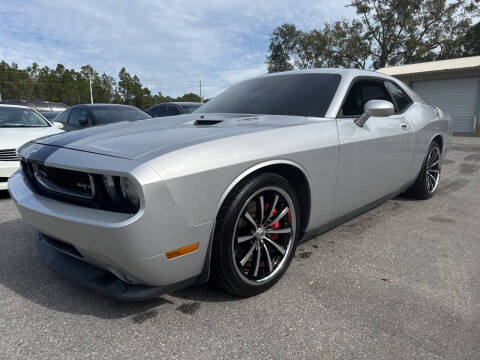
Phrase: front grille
(67, 182)
(9, 155)
(71, 186)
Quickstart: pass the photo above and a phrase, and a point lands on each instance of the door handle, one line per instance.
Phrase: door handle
(404, 126)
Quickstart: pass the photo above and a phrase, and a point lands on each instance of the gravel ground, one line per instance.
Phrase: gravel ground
(401, 281)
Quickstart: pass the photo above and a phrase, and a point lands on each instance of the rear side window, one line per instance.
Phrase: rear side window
(402, 100)
(361, 92)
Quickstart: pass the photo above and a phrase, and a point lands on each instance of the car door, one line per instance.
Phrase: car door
(79, 119)
(374, 159)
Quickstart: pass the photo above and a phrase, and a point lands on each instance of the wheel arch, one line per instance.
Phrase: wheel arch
(438, 138)
(292, 171)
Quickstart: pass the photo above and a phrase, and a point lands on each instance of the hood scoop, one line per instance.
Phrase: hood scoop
(206, 122)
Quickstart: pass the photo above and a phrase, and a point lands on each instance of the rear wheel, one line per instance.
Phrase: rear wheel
(255, 235)
(427, 181)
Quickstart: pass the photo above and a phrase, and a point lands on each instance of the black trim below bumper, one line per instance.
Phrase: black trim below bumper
(98, 279)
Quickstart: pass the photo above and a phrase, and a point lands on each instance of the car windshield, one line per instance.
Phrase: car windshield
(50, 115)
(293, 94)
(112, 115)
(19, 117)
(190, 108)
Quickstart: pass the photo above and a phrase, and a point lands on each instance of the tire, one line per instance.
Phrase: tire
(247, 256)
(427, 180)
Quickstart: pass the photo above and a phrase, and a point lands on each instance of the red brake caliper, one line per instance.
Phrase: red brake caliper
(276, 225)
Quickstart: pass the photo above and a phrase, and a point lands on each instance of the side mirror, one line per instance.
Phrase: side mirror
(376, 108)
(83, 122)
(58, 125)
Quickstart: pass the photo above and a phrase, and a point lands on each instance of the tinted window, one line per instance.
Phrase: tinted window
(172, 110)
(17, 117)
(77, 116)
(62, 117)
(50, 115)
(159, 110)
(361, 92)
(190, 108)
(298, 94)
(113, 115)
(402, 100)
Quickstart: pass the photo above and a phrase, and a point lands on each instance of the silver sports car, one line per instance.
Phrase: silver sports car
(137, 209)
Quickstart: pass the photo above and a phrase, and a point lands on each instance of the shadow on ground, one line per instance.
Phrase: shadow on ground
(23, 271)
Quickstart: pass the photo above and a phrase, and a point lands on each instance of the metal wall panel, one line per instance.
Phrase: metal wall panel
(457, 96)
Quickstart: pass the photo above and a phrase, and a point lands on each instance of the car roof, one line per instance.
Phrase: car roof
(37, 102)
(100, 106)
(15, 106)
(345, 73)
(184, 103)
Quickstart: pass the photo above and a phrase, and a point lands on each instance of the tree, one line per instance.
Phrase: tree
(385, 32)
(470, 45)
(72, 87)
(283, 42)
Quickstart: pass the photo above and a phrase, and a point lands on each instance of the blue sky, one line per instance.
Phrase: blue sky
(170, 45)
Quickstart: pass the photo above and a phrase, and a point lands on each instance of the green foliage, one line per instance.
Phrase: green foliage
(471, 42)
(72, 87)
(385, 32)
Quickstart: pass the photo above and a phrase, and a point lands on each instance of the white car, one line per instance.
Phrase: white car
(19, 125)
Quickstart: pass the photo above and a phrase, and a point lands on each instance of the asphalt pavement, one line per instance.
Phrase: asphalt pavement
(399, 282)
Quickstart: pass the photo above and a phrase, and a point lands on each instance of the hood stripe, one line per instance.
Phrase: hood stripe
(42, 154)
(67, 138)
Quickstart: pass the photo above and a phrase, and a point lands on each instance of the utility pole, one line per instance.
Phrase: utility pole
(91, 94)
(201, 99)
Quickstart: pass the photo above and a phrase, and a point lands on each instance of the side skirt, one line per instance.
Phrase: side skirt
(344, 218)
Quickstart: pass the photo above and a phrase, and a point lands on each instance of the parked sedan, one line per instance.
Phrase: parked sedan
(173, 108)
(227, 193)
(86, 115)
(18, 125)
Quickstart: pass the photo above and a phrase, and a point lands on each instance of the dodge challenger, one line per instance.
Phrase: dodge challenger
(225, 194)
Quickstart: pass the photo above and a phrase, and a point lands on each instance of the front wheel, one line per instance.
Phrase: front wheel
(256, 235)
(426, 183)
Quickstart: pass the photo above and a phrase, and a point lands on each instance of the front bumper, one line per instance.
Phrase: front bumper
(131, 247)
(7, 168)
(98, 279)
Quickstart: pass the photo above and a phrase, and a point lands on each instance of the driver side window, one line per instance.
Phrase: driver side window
(361, 92)
(78, 116)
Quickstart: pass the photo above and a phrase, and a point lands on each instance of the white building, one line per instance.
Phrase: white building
(453, 85)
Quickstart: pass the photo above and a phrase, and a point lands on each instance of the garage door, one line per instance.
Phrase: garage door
(458, 97)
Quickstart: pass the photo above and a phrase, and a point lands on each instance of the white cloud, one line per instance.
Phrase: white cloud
(169, 45)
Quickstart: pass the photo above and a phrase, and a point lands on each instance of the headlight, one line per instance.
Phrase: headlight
(129, 191)
(109, 185)
(121, 192)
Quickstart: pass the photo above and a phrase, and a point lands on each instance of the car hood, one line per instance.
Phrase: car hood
(131, 140)
(13, 138)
